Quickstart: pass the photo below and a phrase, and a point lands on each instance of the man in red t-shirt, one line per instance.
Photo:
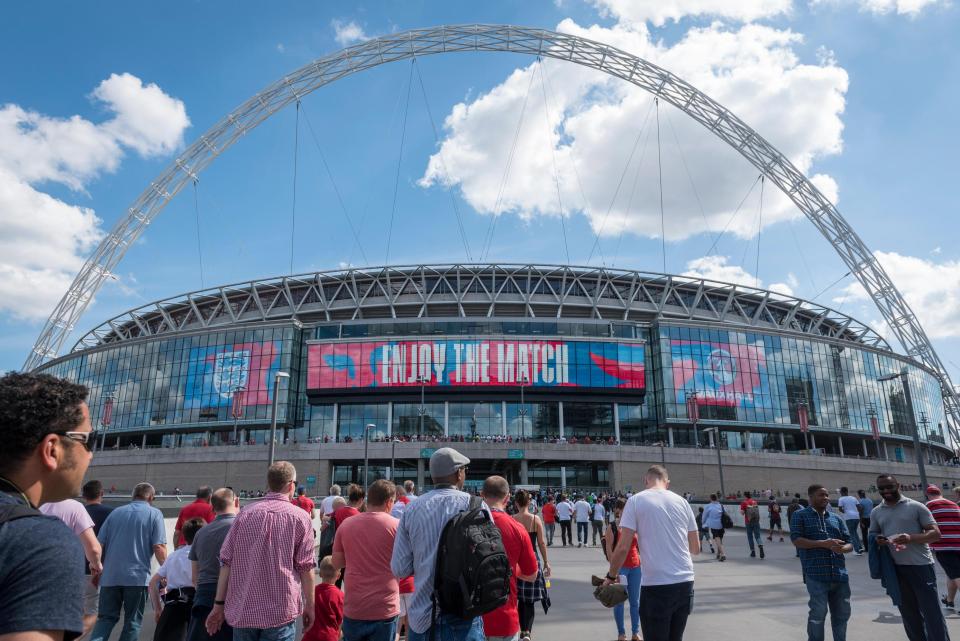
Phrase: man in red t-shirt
(304, 502)
(753, 526)
(550, 518)
(199, 509)
(503, 624)
(355, 496)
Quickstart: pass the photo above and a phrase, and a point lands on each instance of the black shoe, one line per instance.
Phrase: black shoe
(761, 552)
(753, 554)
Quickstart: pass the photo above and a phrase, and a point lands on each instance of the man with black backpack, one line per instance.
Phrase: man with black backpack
(751, 518)
(47, 443)
(427, 542)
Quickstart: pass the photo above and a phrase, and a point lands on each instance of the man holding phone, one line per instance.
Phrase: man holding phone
(907, 526)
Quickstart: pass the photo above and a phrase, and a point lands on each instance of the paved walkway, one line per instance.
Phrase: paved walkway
(740, 599)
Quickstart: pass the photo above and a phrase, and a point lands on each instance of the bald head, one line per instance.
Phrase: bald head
(495, 491)
(224, 501)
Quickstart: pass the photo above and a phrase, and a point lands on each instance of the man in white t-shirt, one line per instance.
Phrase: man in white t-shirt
(565, 518)
(851, 514)
(599, 515)
(667, 536)
(327, 503)
(582, 510)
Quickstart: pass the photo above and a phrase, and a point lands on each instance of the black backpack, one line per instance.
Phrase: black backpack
(472, 574)
(725, 521)
(325, 546)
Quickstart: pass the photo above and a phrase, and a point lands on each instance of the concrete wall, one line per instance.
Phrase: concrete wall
(690, 470)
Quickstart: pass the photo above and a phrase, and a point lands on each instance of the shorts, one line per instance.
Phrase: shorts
(950, 562)
(405, 603)
(717, 534)
(91, 598)
(775, 522)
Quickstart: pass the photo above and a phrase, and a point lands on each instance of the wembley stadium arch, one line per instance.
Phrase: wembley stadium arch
(502, 38)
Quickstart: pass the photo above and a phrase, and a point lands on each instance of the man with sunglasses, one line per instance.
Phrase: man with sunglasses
(47, 435)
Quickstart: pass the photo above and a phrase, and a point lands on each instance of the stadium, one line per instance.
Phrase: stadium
(557, 376)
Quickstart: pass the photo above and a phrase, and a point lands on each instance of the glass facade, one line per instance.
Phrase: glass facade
(194, 389)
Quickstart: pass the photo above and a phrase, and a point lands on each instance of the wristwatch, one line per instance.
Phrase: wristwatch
(612, 578)
(219, 602)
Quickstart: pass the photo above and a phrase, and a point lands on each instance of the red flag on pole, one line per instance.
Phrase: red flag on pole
(804, 420)
(107, 412)
(693, 411)
(236, 410)
(875, 426)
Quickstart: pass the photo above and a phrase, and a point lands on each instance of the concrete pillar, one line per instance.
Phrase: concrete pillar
(710, 437)
(670, 436)
(813, 441)
(865, 454)
(336, 422)
(746, 441)
(563, 470)
(143, 443)
(840, 443)
(524, 472)
(560, 416)
(616, 422)
(783, 443)
(390, 419)
(503, 418)
(420, 472)
(244, 437)
(886, 452)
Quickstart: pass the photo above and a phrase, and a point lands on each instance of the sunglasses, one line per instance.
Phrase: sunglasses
(87, 439)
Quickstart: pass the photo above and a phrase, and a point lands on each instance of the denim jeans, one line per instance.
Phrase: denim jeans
(131, 599)
(550, 529)
(451, 628)
(357, 630)
(753, 532)
(664, 610)
(633, 593)
(852, 525)
(202, 605)
(920, 603)
(285, 632)
(583, 531)
(824, 596)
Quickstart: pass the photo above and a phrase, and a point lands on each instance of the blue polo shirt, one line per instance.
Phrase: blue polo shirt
(820, 564)
(128, 536)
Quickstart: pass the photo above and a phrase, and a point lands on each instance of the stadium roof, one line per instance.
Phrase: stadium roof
(480, 291)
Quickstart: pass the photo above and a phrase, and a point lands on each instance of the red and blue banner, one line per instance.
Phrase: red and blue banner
(237, 375)
(724, 374)
(475, 363)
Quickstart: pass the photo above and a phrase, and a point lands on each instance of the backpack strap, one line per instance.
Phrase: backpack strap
(15, 511)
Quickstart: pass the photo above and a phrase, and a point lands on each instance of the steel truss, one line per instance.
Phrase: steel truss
(481, 291)
(507, 38)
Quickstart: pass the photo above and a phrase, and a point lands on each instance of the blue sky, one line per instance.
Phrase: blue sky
(94, 103)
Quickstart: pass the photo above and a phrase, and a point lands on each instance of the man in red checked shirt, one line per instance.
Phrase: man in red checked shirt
(503, 624)
(199, 509)
(266, 580)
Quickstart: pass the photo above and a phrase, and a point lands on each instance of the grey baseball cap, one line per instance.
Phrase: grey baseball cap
(446, 461)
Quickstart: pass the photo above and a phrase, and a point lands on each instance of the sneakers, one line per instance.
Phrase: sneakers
(781, 539)
(859, 553)
(770, 538)
(723, 557)
(753, 554)
(948, 605)
(761, 552)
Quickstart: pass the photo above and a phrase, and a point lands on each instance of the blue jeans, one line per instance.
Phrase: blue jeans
(451, 628)
(357, 630)
(824, 596)
(852, 525)
(753, 532)
(633, 592)
(131, 599)
(550, 529)
(285, 632)
(583, 530)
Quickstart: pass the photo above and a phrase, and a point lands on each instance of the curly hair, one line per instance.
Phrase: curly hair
(32, 406)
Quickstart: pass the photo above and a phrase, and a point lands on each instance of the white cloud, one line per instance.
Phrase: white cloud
(347, 32)
(911, 8)
(281, 48)
(594, 121)
(44, 240)
(658, 12)
(718, 268)
(931, 289)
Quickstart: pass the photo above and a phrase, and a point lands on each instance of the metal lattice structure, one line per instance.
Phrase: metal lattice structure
(481, 291)
(505, 38)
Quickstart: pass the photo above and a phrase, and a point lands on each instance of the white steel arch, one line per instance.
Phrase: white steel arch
(507, 38)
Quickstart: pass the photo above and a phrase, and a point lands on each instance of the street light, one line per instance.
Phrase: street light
(905, 382)
(423, 406)
(663, 455)
(523, 408)
(273, 412)
(366, 460)
(723, 490)
(693, 413)
(107, 417)
(236, 408)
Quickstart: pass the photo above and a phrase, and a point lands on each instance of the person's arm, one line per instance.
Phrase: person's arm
(92, 550)
(337, 556)
(160, 551)
(215, 618)
(33, 635)
(159, 537)
(619, 554)
(176, 538)
(194, 572)
(309, 601)
(153, 589)
(542, 544)
(401, 562)
(693, 532)
(930, 534)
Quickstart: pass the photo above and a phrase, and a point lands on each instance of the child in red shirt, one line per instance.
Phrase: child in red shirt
(328, 608)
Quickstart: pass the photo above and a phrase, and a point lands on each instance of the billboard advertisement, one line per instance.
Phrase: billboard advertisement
(724, 374)
(475, 363)
(237, 375)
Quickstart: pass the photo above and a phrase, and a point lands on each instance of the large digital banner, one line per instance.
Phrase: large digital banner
(475, 363)
(215, 374)
(721, 373)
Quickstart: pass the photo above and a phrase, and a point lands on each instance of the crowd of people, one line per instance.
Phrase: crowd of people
(445, 565)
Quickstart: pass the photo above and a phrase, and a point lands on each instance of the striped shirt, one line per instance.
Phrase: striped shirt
(947, 515)
(415, 548)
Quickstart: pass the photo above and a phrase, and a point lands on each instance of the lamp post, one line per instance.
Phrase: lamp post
(273, 412)
(803, 417)
(366, 460)
(523, 408)
(422, 410)
(723, 490)
(874, 426)
(663, 454)
(107, 417)
(905, 382)
(693, 413)
(236, 408)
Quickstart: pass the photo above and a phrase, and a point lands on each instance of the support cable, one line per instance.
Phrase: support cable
(633, 190)
(336, 189)
(443, 165)
(759, 232)
(732, 216)
(553, 149)
(829, 287)
(293, 208)
(663, 226)
(803, 257)
(686, 169)
(196, 211)
(616, 192)
(491, 228)
(396, 182)
(749, 243)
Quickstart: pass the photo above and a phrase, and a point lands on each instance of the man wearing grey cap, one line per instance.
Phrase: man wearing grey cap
(415, 548)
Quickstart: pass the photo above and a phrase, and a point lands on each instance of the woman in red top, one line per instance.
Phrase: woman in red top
(629, 574)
